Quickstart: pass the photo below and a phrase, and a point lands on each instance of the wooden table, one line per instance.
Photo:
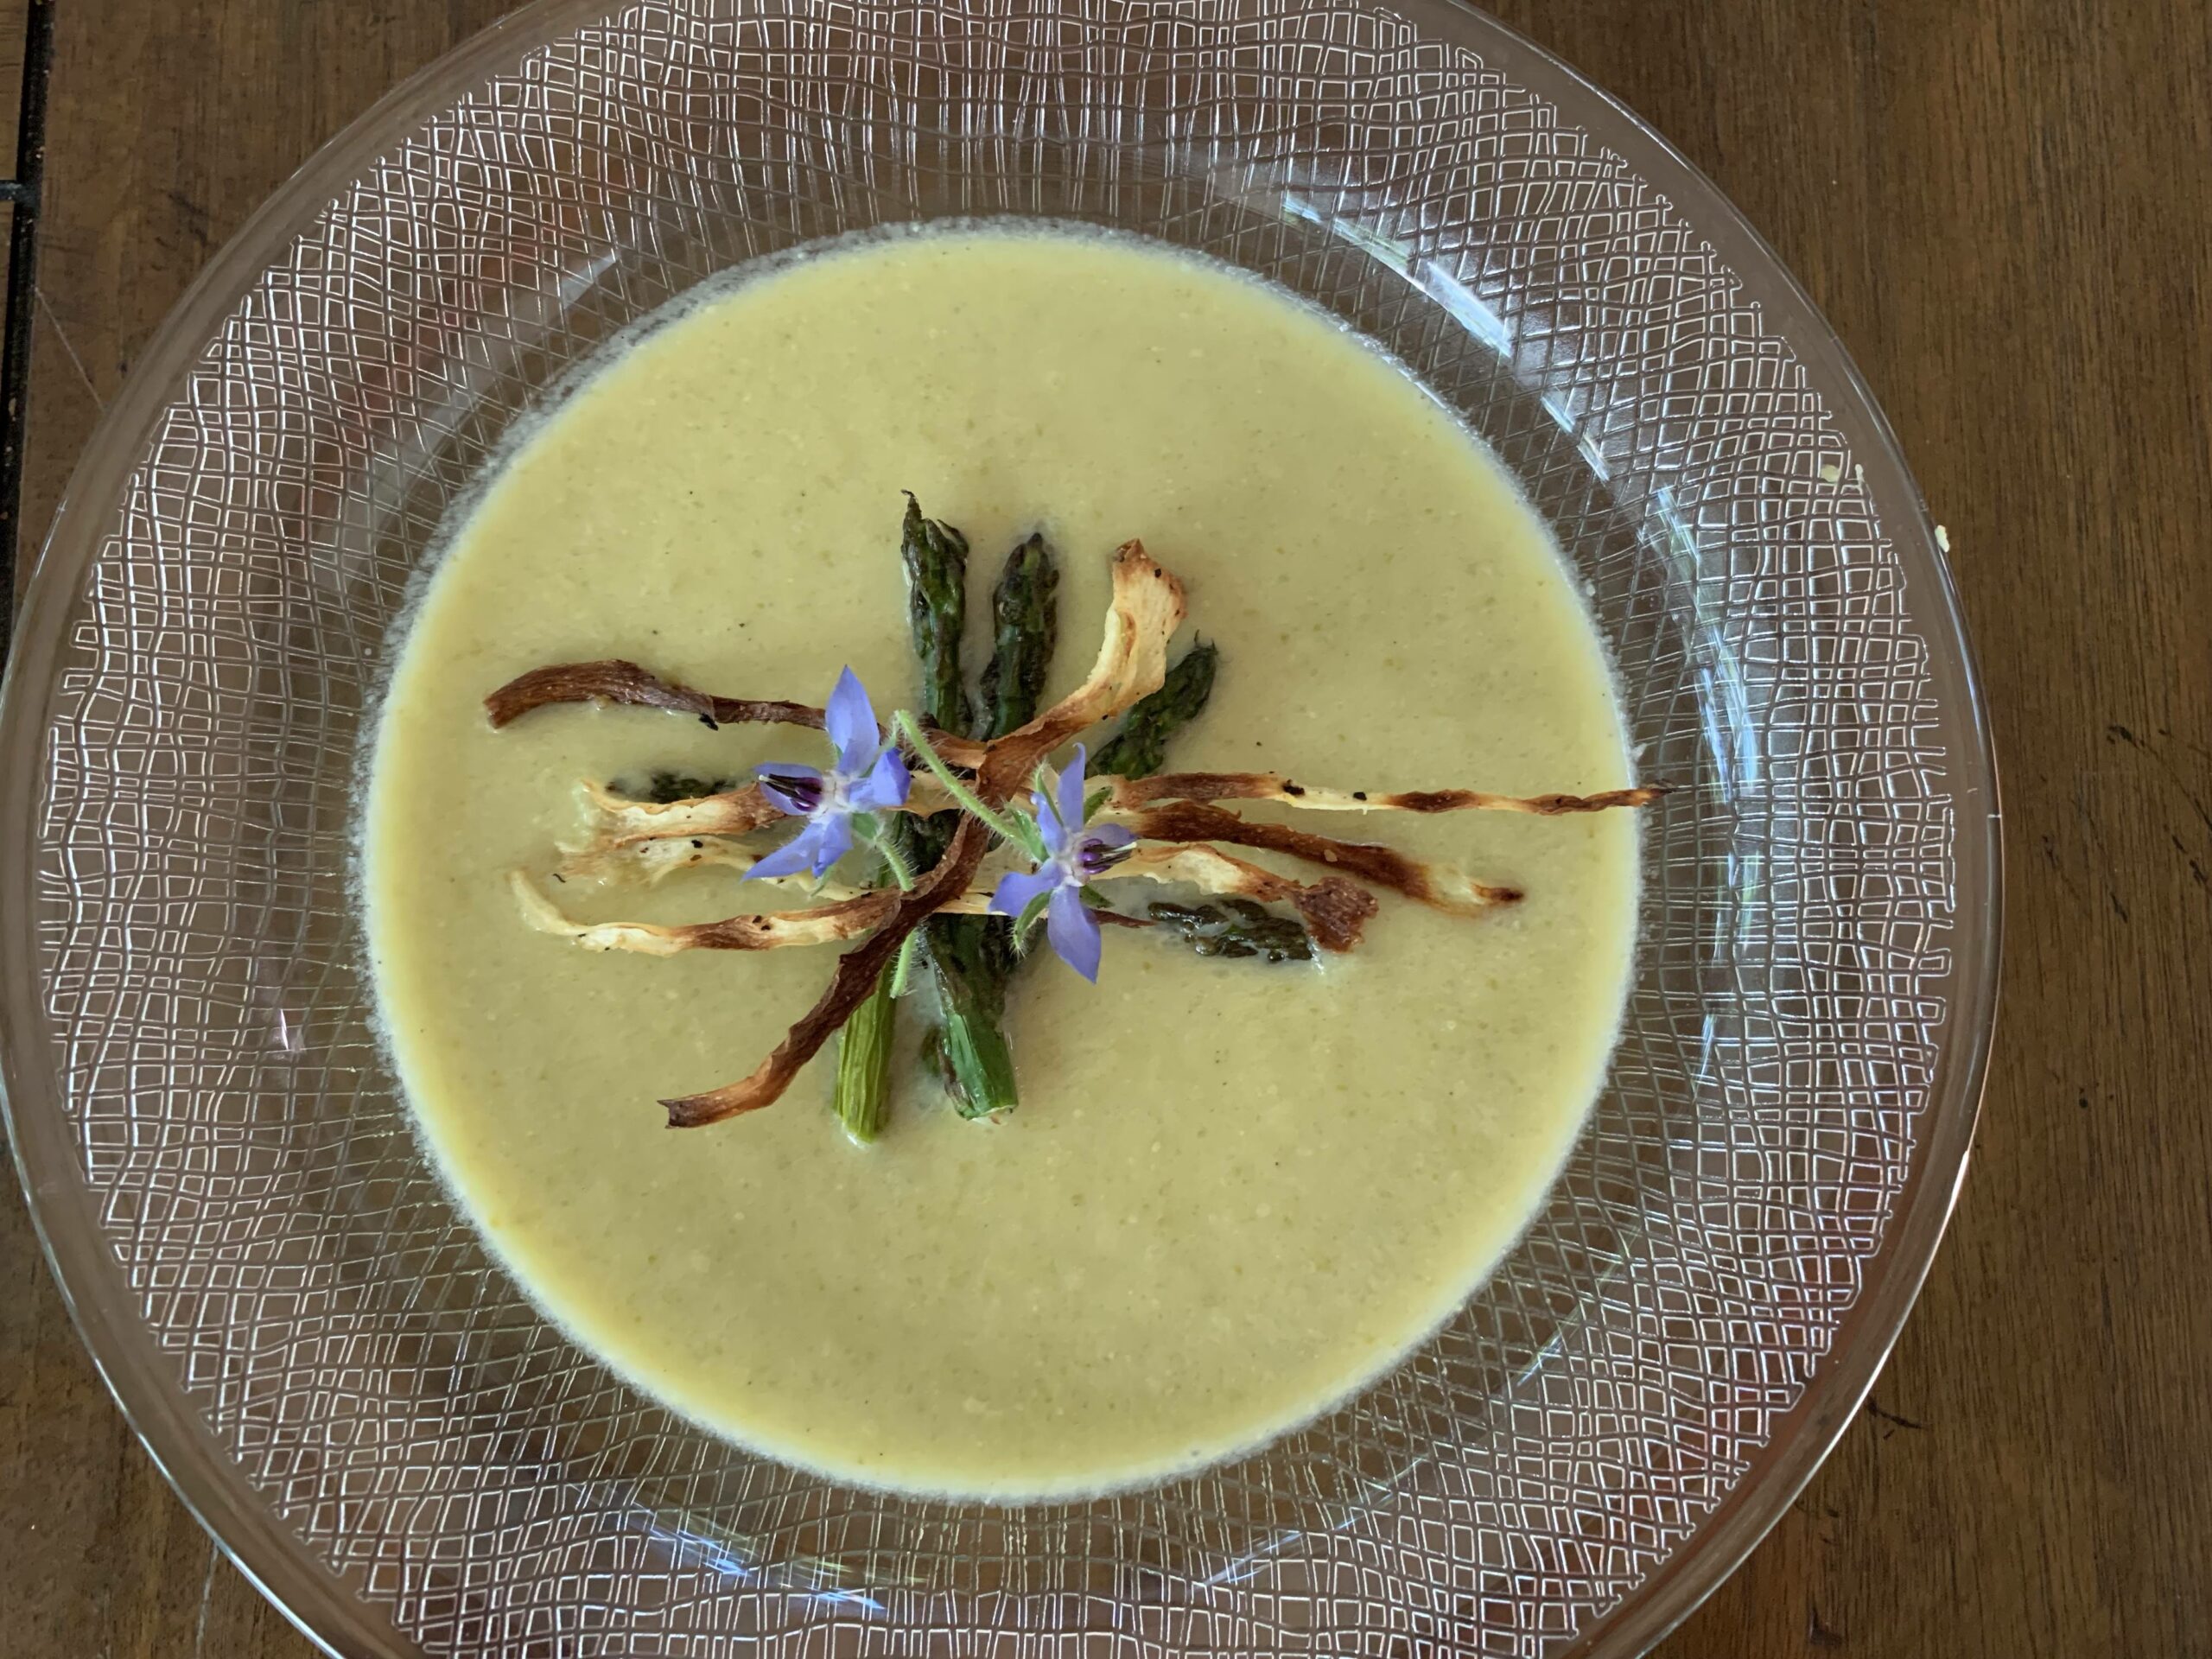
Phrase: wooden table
(2003, 207)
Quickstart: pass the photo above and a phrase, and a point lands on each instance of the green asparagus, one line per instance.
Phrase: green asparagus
(1138, 750)
(1024, 629)
(936, 560)
(935, 557)
(972, 1006)
(969, 1037)
(970, 957)
(1237, 927)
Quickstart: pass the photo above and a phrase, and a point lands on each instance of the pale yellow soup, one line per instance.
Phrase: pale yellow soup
(1232, 1192)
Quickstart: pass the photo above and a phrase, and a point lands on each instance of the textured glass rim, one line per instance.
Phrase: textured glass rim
(122, 1348)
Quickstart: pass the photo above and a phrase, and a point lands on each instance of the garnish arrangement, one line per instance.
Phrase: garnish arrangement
(1109, 840)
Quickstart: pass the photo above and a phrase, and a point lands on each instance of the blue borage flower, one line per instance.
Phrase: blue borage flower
(868, 776)
(1075, 855)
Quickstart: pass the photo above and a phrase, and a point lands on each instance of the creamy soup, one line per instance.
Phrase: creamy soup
(1232, 1191)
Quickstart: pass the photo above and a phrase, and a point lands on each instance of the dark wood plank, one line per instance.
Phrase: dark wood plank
(2001, 208)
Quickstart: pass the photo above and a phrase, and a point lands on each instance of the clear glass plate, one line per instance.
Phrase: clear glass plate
(312, 1342)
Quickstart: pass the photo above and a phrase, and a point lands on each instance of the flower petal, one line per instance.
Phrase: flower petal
(1112, 834)
(1045, 811)
(833, 840)
(885, 787)
(1015, 892)
(1056, 839)
(1069, 802)
(793, 857)
(1072, 931)
(849, 719)
(772, 778)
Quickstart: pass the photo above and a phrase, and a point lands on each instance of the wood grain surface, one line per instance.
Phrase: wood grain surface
(2004, 209)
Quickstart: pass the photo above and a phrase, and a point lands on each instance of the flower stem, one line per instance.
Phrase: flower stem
(1003, 825)
(902, 967)
(887, 844)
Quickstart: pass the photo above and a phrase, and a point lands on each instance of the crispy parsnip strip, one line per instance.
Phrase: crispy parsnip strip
(1441, 886)
(614, 680)
(1131, 794)
(624, 684)
(621, 826)
(623, 822)
(648, 861)
(618, 821)
(757, 930)
(1146, 609)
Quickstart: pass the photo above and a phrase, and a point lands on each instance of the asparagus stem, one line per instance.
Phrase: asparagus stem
(862, 1099)
(1237, 927)
(935, 1063)
(970, 1045)
(935, 557)
(1025, 626)
(973, 956)
(1141, 745)
(862, 1095)
(971, 997)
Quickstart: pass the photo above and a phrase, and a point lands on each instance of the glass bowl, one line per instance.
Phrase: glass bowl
(360, 1405)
